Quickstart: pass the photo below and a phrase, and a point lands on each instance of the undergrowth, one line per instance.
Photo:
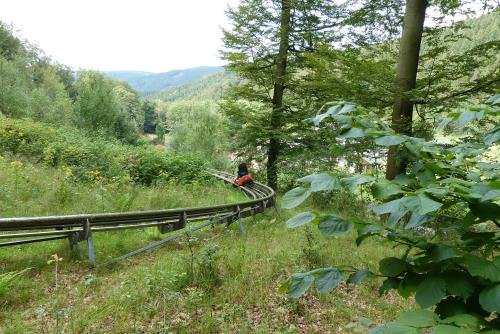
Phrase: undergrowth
(212, 281)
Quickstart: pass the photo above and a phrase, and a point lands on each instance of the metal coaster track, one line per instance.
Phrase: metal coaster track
(81, 227)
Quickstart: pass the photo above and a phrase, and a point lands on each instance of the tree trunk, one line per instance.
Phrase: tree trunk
(278, 90)
(406, 77)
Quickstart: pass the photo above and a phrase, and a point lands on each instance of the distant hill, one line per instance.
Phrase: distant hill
(126, 75)
(147, 82)
(207, 88)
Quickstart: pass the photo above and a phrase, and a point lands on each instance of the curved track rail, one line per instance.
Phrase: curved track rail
(77, 228)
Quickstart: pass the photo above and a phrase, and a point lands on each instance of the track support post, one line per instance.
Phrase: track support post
(74, 243)
(90, 244)
(237, 211)
(182, 221)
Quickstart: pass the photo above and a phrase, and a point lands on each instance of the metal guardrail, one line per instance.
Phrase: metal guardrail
(81, 227)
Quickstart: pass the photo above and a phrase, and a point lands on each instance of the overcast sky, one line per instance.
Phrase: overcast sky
(105, 35)
(146, 35)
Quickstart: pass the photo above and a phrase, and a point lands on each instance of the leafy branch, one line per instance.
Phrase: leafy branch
(459, 276)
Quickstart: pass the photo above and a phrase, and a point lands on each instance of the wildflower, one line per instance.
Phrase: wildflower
(16, 164)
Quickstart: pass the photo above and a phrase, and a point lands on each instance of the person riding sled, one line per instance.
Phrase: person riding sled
(243, 178)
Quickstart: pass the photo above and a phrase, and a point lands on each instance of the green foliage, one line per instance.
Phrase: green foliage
(32, 86)
(93, 159)
(10, 46)
(105, 108)
(265, 48)
(34, 189)
(50, 101)
(8, 279)
(207, 88)
(147, 165)
(150, 117)
(196, 128)
(460, 273)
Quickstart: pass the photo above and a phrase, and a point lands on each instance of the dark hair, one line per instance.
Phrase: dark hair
(242, 168)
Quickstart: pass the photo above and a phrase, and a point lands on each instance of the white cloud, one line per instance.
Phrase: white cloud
(150, 35)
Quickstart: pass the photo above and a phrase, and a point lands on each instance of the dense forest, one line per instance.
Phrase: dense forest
(376, 123)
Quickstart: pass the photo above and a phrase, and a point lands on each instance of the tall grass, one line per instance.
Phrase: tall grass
(214, 281)
(28, 189)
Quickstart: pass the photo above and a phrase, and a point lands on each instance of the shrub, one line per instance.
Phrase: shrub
(95, 159)
(453, 189)
(146, 165)
(8, 279)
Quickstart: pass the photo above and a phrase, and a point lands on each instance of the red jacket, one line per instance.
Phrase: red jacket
(243, 180)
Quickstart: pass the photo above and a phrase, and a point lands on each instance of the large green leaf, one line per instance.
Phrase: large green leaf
(353, 181)
(367, 231)
(334, 226)
(342, 108)
(318, 119)
(345, 109)
(321, 182)
(300, 219)
(492, 136)
(359, 276)
(441, 252)
(459, 283)
(485, 210)
(478, 266)
(395, 217)
(443, 123)
(383, 189)
(495, 99)
(299, 284)
(328, 279)
(295, 197)
(450, 306)
(392, 266)
(465, 320)
(389, 140)
(408, 285)
(420, 204)
(388, 284)
(353, 133)
(469, 116)
(475, 240)
(419, 319)
(438, 192)
(447, 329)
(493, 194)
(417, 220)
(395, 328)
(430, 291)
(426, 177)
(496, 261)
(489, 298)
(389, 207)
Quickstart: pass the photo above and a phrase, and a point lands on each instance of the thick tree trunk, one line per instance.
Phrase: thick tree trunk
(278, 90)
(406, 77)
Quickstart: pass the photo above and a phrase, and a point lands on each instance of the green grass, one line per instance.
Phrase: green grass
(213, 281)
(28, 189)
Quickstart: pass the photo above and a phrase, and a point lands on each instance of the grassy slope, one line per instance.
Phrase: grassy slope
(214, 281)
